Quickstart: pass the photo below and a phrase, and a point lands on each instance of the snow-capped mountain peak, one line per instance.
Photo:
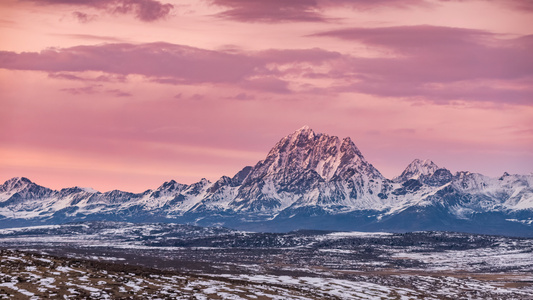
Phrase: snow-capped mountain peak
(418, 168)
(306, 150)
(89, 190)
(15, 184)
(306, 168)
(171, 185)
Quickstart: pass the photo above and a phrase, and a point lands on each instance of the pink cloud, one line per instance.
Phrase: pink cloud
(166, 63)
(275, 11)
(82, 90)
(524, 5)
(83, 17)
(272, 11)
(270, 84)
(439, 62)
(144, 10)
(314, 56)
(118, 93)
(182, 63)
(96, 89)
(87, 78)
(91, 37)
(376, 4)
(243, 96)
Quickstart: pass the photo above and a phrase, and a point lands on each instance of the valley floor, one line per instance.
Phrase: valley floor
(26, 275)
(159, 261)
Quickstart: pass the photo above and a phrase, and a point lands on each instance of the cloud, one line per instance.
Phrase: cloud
(88, 77)
(375, 4)
(83, 17)
(197, 97)
(118, 93)
(314, 55)
(66, 76)
(270, 11)
(273, 11)
(167, 63)
(524, 5)
(91, 37)
(95, 89)
(159, 60)
(521, 5)
(82, 90)
(243, 97)
(271, 84)
(439, 62)
(144, 10)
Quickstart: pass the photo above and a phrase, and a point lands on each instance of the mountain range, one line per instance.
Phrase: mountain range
(308, 180)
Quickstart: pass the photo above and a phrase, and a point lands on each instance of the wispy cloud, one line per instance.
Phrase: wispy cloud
(144, 10)
(83, 17)
(87, 77)
(91, 37)
(96, 89)
(92, 89)
(272, 11)
(522, 5)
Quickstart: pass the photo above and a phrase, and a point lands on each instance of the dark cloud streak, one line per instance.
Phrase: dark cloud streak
(273, 11)
(270, 11)
(83, 17)
(144, 10)
(91, 37)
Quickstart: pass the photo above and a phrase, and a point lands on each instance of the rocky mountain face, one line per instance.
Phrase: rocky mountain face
(307, 181)
(306, 168)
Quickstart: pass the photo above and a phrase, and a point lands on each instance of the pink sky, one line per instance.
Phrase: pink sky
(127, 94)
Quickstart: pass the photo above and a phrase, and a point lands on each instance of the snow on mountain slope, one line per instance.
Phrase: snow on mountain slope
(417, 168)
(174, 197)
(24, 199)
(305, 174)
(19, 197)
(15, 191)
(422, 182)
(512, 192)
(307, 168)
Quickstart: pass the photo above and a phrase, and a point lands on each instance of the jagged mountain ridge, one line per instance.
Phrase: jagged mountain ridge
(308, 180)
(305, 168)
